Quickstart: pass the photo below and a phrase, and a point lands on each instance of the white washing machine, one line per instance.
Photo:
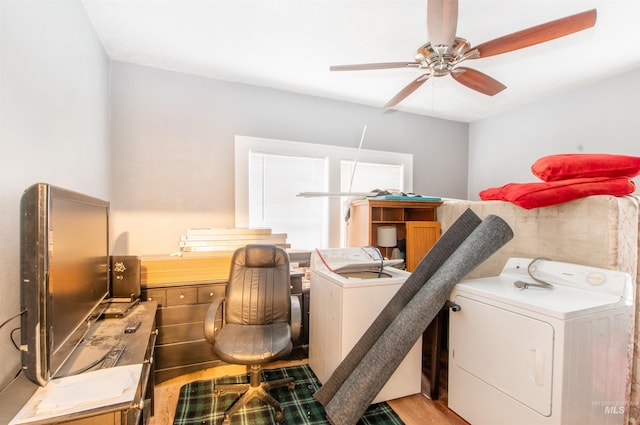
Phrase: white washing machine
(347, 292)
(544, 342)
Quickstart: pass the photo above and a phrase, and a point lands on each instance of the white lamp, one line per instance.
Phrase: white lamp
(387, 238)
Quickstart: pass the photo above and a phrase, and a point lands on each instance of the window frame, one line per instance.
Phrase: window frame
(243, 145)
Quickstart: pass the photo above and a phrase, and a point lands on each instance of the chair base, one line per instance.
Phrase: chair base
(255, 388)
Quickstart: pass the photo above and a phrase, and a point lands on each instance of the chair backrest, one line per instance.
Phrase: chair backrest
(259, 289)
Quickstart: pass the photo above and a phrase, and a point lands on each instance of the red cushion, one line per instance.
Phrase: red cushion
(570, 166)
(544, 194)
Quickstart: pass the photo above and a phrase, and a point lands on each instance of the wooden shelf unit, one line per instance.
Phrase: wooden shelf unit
(415, 221)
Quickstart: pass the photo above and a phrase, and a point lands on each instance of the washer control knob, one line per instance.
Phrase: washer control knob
(595, 278)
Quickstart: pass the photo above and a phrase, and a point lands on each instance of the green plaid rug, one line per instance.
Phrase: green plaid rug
(198, 405)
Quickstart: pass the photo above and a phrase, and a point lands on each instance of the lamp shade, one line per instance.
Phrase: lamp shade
(387, 236)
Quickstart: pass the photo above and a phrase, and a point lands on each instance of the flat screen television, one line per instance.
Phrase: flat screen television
(64, 270)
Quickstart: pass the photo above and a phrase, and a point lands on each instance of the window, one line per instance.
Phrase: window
(274, 182)
(370, 176)
(270, 174)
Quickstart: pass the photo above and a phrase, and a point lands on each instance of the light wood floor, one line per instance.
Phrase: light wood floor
(413, 410)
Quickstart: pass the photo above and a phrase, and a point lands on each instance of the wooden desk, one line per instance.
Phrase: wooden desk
(104, 334)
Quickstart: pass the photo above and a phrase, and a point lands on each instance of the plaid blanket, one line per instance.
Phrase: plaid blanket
(198, 405)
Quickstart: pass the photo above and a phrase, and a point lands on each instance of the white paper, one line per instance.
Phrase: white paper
(81, 392)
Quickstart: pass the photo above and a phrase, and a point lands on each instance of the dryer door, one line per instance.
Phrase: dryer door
(510, 352)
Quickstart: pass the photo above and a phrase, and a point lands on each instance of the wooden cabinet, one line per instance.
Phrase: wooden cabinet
(416, 224)
(184, 288)
(421, 236)
(181, 346)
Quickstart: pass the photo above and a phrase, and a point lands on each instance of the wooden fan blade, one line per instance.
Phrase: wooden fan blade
(477, 81)
(538, 34)
(366, 66)
(442, 21)
(410, 88)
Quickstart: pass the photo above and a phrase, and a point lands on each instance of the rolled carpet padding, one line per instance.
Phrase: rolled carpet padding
(370, 375)
(437, 255)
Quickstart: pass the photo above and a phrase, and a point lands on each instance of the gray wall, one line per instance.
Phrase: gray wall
(173, 144)
(600, 118)
(54, 125)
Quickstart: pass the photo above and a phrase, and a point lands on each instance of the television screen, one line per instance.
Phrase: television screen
(65, 274)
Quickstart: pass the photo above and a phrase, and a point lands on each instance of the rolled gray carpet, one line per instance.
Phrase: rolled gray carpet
(369, 376)
(437, 255)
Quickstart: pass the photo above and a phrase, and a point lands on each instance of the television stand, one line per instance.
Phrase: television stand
(104, 335)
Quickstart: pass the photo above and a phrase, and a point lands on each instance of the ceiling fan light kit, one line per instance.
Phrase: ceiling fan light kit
(445, 52)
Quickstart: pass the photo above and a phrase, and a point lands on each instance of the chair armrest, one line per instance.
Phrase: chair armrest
(210, 329)
(296, 318)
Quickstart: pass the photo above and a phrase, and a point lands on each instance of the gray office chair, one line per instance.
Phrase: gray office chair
(261, 320)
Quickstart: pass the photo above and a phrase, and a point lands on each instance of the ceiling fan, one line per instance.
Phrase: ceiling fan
(445, 52)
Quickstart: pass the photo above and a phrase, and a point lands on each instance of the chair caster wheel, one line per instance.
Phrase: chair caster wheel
(279, 416)
(292, 386)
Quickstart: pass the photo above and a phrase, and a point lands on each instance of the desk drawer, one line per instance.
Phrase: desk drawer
(180, 354)
(182, 296)
(159, 295)
(182, 314)
(206, 294)
(183, 332)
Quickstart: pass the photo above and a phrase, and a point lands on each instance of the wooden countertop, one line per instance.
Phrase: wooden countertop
(164, 269)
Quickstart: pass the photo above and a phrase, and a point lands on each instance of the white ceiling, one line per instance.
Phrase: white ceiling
(290, 44)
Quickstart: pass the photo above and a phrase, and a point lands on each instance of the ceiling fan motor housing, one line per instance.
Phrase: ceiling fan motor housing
(442, 59)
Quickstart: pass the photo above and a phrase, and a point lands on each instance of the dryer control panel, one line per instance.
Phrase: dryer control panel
(543, 270)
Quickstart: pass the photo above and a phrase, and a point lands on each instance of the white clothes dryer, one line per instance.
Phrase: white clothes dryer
(544, 342)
